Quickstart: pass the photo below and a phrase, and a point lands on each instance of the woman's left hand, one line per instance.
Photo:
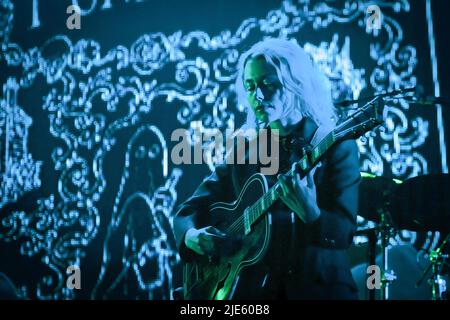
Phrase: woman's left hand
(300, 195)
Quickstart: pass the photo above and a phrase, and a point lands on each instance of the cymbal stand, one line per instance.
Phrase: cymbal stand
(437, 282)
(386, 232)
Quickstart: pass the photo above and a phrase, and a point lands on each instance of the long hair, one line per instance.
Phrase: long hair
(306, 89)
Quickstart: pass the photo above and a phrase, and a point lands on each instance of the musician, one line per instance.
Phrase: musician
(313, 225)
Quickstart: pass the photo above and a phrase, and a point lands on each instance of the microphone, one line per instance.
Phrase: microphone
(421, 98)
(428, 101)
(347, 103)
(418, 97)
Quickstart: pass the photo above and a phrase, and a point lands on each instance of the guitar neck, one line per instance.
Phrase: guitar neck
(357, 123)
(308, 161)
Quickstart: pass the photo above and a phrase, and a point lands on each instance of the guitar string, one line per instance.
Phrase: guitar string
(236, 226)
(328, 141)
(238, 223)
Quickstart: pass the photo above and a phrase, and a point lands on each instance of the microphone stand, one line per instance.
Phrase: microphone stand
(428, 101)
(417, 98)
(438, 284)
(347, 103)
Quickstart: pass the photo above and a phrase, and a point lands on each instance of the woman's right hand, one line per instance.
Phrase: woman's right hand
(204, 241)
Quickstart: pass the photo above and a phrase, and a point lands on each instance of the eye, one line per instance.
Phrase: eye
(249, 86)
(270, 84)
(140, 152)
(154, 151)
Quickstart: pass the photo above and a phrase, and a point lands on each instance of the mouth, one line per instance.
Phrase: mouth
(262, 107)
(259, 109)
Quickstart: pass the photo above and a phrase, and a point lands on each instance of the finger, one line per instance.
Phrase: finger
(215, 237)
(219, 233)
(215, 232)
(294, 167)
(210, 229)
(298, 187)
(198, 248)
(298, 181)
(207, 246)
(310, 177)
(284, 185)
(209, 240)
(310, 181)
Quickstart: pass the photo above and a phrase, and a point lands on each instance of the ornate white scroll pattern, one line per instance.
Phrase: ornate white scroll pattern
(96, 98)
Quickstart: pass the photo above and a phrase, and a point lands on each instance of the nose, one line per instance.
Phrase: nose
(259, 94)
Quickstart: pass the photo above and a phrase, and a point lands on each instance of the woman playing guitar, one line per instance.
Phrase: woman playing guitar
(295, 248)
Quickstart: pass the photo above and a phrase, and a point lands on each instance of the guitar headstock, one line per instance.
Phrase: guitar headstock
(362, 120)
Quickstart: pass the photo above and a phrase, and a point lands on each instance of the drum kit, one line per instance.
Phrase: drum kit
(391, 207)
(419, 204)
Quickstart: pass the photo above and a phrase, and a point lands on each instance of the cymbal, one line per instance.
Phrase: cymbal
(374, 192)
(422, 203)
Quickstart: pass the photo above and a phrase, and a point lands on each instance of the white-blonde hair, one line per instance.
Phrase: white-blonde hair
(306, 88)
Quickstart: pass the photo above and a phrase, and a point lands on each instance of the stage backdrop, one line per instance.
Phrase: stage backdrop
(89, 103)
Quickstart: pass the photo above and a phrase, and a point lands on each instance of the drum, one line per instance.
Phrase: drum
(413, 228)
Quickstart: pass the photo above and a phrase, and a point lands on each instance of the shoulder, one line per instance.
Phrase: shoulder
(341, 166)
(344, 149)
(305, 128)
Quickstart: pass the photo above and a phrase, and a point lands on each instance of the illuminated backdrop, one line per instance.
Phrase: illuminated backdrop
(86, 117)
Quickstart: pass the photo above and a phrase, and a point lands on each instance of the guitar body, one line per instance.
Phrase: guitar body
(217, 279)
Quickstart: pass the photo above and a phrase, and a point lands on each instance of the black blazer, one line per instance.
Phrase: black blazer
(318, 255)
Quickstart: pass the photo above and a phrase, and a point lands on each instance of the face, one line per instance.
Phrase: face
(146, 155)
(264, 92)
